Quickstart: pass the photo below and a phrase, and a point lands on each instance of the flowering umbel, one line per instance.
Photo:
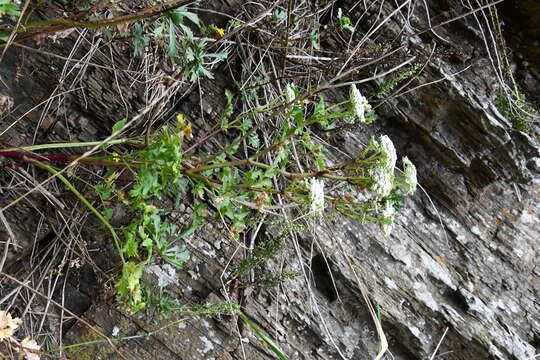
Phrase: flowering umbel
(316, 196)
(387, 220)
(290, 95)
(360, 105)
(410, 181)
(382, 173)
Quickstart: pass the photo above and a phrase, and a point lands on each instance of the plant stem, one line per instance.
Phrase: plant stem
(64, 145)
(97, 161)
(143, 14)
(237, 162)
(85, 202)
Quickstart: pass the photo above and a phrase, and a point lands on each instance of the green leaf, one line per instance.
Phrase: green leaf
(206, 73)
(282, 156)
(130, 246)
(147, 184)
(229, 177)
(254, 141)
(189, 54)
(103, 191)
(172, 51)
(9, 9)
(187, 31)
(247, 123)
(221, 55)
(279, 16)
(314, 37)
(118, 125)
(107, 213)
(270, 172)
(140, 41)
(129, 286)
(234, 148)
(320, 108)
(266, 339)
(191, 16)
(132, 273)
(179, 190)
(176, 255)
(196, 221)
(146, 241)
(159, 30)
(227, 111)
(264, 183)
(230, 96)
(176, 17)
(198, 189)
(252, 175)
(297, 114)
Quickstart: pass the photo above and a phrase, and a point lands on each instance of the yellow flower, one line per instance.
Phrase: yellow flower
(180, 119)
(116, 157)
(109, 179)
(220, 32)
(188, 131)
(121, 195)
(150, 208)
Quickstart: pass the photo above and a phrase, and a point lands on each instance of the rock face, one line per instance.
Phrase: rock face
(462, 260)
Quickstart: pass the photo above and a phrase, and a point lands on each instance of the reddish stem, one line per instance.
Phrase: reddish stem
(26, 156)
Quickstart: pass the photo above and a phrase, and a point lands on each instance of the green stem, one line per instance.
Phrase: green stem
(338, 104)
(85, 202)
(313, 174)
(250, 161)
(266, 339)
(235, 163)
(256, 111)
(334, 115)
(65, 145)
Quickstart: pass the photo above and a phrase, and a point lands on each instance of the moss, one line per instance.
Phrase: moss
(517, 110)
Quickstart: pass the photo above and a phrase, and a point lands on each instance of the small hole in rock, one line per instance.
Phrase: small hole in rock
(322, 278)
(456, 299)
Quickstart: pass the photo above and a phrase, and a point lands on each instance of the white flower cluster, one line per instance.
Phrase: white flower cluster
(388, 215)
(409, 177)
(289, 93)
(360, 104)
(316, 196)
(383, 172)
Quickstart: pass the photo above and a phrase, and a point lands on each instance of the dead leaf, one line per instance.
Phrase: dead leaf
(29, 347)
(8, 324)
(122, 28)
(62, 34)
